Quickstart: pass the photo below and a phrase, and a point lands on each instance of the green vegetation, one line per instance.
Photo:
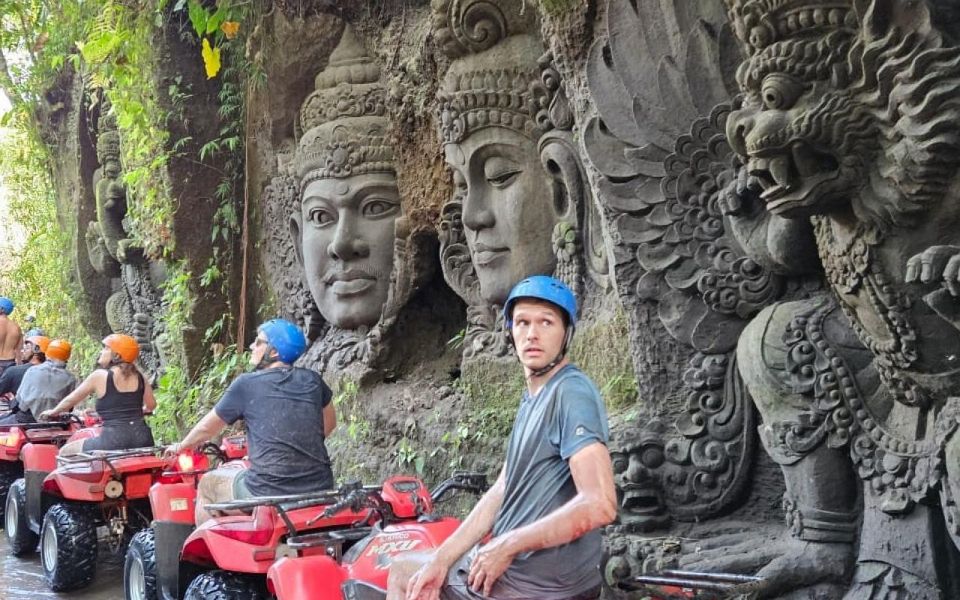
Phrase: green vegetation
(38, 278)
(602, 351)
(181, 401)
(111, 47)
(558, 7)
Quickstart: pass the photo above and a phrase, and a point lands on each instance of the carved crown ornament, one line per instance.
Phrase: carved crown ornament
(760, 23)
(504, 87)
(465, 27)
(344, 120)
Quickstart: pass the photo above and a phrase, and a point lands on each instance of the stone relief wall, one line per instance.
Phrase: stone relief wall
(134, 278)
(762, 189)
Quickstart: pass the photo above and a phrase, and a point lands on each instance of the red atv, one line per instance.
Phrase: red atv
(228, 557)
(353, 563)
(147, 576)
(14, 437)
(72, 504)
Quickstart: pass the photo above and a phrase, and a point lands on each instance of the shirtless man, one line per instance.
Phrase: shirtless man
(11, 337)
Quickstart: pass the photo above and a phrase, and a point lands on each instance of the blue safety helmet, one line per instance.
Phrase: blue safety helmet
(543, 288)
(6, 305)
(284, 337)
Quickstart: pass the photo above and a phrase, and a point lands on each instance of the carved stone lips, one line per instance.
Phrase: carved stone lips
(484, 254)
(790, 174)
(350, 282)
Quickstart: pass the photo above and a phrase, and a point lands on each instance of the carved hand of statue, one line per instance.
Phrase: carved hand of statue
(784, 562)
(936, 265)
(786, 246)
(741, 197)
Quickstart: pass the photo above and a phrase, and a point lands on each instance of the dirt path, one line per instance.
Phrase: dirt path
(22, 578)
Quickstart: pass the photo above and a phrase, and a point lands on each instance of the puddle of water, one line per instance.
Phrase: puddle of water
(22, 578)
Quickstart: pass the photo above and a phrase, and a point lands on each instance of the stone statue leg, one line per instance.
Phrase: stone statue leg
(814, 558)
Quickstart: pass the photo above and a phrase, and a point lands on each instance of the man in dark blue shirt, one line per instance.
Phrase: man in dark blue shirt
(288, 414)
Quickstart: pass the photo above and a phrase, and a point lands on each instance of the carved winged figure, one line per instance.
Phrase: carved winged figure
(847, 122)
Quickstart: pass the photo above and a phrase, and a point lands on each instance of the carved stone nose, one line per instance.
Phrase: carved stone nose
(739, 125)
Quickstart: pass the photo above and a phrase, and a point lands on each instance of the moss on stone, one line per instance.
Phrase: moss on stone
(558, 7)
(602, 351)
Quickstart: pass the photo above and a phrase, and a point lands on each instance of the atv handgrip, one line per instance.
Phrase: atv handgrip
(460, 480)
(355, 499)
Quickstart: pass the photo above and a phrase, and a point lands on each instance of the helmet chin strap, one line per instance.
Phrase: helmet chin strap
(556, 361)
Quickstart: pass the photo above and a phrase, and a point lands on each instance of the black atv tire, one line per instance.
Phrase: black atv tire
(20, 537)
(221, 585)
(9, 472)
(140, 567)
(68, 547)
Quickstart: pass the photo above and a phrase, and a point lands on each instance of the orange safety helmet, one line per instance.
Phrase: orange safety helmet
(40, 343)
(59, 350)
(123, 346)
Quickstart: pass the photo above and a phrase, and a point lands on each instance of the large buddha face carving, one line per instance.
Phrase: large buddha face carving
(510, 207)
(345, 238)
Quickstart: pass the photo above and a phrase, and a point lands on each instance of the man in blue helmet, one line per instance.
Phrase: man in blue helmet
(555, 490)
(288, 415)
(11, 337)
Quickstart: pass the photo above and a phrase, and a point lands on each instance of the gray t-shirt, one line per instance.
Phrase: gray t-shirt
(44, 386)
(567, 415)
(283, 411)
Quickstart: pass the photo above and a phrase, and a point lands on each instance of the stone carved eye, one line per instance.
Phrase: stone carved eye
(320, 217)
(500, 173)
(780, 91)
(620, 463)
(375, 208)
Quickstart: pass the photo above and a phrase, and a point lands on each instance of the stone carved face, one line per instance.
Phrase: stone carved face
(797, 135)
(509, 207)
(345, 242)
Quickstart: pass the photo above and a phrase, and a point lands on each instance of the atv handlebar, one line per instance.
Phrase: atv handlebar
(460, 480)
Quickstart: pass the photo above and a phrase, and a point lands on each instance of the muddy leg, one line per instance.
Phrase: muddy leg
(215, 486)
(72, 448)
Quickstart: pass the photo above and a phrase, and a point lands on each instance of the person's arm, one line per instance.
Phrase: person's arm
(205, 430)
(426, 582)
(78, 395)
(149, 399)
(329, 419)
(16, 357)
(595, 505)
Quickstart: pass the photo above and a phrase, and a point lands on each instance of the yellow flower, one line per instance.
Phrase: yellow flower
(230, 29)
(211, 59)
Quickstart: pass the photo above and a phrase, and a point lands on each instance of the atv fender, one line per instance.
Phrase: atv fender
(168, 540)
(40, 457)
(305, 578)
(174, 502)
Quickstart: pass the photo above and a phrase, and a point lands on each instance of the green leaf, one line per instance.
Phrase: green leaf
(198, 17)
(214, 20)
(99, 47)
